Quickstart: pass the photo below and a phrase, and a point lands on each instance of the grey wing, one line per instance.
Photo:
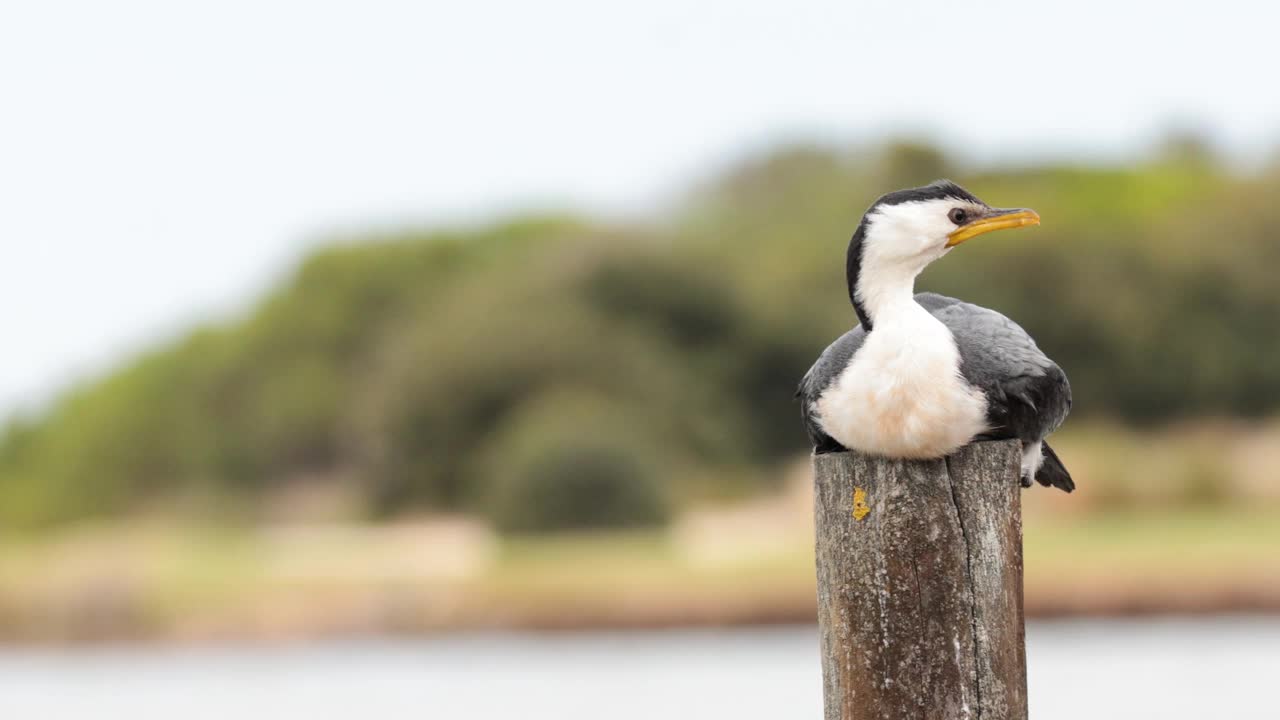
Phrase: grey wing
(1028, 395)
(934, 302)
(830, 364)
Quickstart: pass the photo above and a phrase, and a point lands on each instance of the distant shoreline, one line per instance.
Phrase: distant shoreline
(749, 564)
(778, 609)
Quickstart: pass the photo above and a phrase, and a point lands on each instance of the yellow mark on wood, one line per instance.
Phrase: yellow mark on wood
(860, 506)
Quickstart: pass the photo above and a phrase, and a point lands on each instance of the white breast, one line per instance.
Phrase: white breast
(902, 394)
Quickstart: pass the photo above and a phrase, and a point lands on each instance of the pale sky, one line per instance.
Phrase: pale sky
(160, 165)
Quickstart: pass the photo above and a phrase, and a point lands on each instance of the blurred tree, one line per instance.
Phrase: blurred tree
(909, 163)
(398, 361)
(569, 459)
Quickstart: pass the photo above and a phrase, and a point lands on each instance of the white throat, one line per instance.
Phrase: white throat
(888, 293)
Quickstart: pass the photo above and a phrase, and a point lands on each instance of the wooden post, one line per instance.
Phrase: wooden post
(920, 585)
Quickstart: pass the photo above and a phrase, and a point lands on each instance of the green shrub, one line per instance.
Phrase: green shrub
(576, 486)
(569, 458)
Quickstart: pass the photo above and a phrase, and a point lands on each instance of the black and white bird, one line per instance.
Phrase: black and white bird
(922, 375)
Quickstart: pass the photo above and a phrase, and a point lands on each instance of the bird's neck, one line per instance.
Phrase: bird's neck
(886, 296)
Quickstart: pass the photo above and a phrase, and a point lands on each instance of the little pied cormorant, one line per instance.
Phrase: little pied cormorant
(922, 375)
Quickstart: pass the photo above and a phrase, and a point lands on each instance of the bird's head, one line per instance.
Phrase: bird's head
(904, 231)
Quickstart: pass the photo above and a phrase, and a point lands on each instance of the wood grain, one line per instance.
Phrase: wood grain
(920, 585)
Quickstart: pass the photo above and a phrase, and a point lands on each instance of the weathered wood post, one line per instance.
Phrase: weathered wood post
(920, 585)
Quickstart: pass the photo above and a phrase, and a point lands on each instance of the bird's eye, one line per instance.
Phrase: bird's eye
(958, 216)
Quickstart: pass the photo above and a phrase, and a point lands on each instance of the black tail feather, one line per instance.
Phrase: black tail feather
(1052, 472)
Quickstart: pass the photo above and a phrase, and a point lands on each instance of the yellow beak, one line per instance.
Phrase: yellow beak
(998, 220)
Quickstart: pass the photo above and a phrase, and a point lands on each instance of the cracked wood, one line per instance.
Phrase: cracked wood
(920, 585)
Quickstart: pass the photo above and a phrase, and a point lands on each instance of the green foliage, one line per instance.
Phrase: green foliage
(575, 487)
(568, 461)
(402, 362)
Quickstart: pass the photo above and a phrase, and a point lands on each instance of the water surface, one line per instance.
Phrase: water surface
(1092, 669)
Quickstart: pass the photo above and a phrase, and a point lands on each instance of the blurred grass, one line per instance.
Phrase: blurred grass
(108, 584)
(1192, 544)
(745, 561)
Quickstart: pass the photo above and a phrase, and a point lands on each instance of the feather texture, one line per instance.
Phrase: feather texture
(1027, 394)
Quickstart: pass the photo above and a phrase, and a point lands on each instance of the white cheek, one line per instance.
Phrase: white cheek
(937, 235)
(911, 231)
(924, 241)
